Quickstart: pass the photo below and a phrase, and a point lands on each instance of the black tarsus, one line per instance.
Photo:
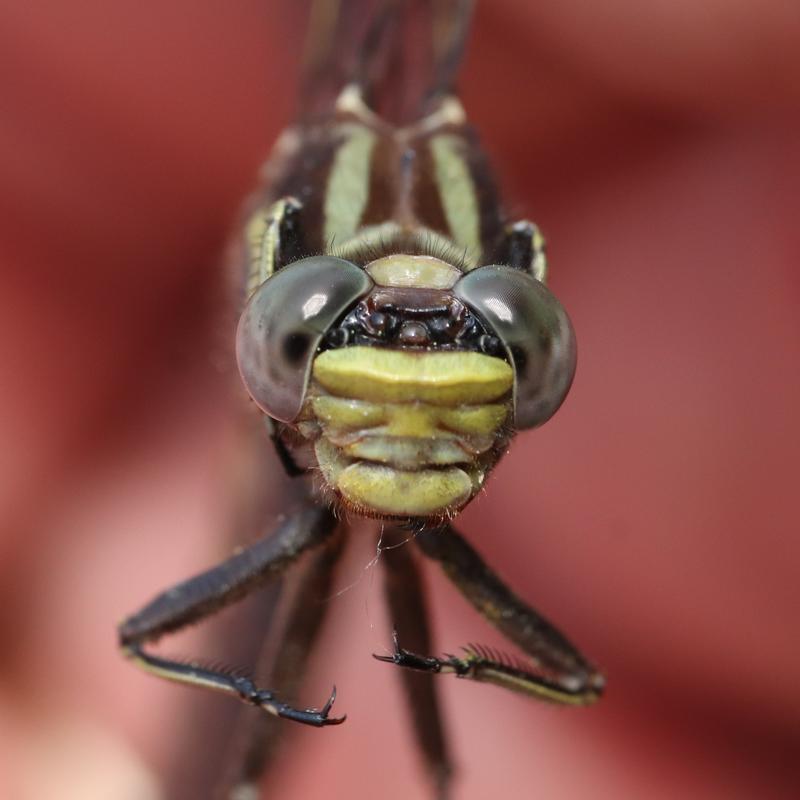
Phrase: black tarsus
(290, 466)
(299, 615)
(213, 590)
(557, 670)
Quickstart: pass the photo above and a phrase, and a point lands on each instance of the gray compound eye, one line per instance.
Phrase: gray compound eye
(283, 323)
(535, 331)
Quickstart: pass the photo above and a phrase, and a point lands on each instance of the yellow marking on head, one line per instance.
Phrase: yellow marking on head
(447, 378)
(407, 419)
(404, 493)
(457, 192)
(420, 272)
(390, 490)
(419, 421)
(340, 412)
(478, 420)
(406, 452)
(379, 489)
(348, 183)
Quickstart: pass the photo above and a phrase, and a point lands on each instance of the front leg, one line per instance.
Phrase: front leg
(211, 591)
(556, 671)
(299, 616)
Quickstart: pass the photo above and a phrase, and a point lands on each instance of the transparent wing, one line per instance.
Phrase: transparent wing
(405, 54)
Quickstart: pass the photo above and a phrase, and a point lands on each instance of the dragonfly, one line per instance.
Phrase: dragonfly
(395, 333)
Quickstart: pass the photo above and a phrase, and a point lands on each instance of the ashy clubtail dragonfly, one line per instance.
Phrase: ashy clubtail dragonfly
(396, 333)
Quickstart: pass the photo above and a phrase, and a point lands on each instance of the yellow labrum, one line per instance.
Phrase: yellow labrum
(380, 489)
(449, 378)
(393, 491)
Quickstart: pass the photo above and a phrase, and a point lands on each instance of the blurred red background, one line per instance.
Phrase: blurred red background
(655, 517)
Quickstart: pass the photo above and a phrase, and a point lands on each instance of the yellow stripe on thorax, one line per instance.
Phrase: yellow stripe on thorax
(457, 192)
(347, 191)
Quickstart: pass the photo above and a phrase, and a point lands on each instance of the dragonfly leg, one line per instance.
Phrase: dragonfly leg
(284, 658)
(209, 592)
(554, 669)
(290, 466)
(523, 247)
(406, 597)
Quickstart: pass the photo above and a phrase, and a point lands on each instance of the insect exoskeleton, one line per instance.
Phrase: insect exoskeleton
(407, 376)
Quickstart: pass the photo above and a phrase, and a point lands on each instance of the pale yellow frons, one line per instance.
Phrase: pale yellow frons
(420, 272)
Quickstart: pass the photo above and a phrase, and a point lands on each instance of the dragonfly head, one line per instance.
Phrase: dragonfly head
(406, 376)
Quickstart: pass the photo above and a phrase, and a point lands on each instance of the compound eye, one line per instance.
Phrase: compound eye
(535, 331)
(282, 325)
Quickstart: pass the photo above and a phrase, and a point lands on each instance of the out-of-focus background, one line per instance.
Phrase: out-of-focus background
(655, 518)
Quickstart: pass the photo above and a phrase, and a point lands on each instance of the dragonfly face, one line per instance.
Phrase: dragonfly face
(396, 332)
(396, 362)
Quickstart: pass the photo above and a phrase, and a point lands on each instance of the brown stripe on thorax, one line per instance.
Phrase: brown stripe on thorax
(303, 174)
(402, 188)
(382, 198)
(428, 202)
